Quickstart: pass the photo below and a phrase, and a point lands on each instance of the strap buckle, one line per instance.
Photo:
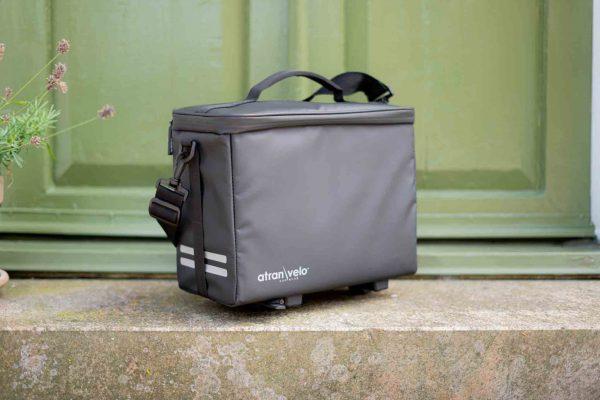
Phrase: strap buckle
(384, 97)
(170, 196)
(164, 212)
(181, 161)
(166, 205)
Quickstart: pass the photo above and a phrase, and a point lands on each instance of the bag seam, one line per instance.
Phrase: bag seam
(218, 107)
(398, 110)
(235, 255)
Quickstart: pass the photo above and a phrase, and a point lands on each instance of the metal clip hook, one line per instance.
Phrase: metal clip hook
(182, 160)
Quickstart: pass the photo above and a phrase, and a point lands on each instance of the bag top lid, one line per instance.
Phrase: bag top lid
(251, 114)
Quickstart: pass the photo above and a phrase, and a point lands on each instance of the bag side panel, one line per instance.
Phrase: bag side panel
(219, 241)
(323, 207)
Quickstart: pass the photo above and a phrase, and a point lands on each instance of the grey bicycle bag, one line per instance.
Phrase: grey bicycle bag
(271, 200)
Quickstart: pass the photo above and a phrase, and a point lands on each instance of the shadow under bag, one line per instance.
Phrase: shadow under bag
(271, 200)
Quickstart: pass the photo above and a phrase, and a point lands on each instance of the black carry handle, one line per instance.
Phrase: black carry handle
(352, 82)
(330, 86)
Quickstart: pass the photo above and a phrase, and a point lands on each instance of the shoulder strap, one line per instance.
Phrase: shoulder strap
(167, 206)
(352, 82)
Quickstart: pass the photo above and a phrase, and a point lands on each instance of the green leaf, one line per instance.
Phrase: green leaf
(50, 151)
(18, 160)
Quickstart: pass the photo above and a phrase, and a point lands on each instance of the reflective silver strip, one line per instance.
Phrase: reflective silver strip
(187, 250)
(215, 257)
(186, 262)
(221, 258)
(211, 269)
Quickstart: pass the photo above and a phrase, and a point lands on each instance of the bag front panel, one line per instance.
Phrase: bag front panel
(321, 207)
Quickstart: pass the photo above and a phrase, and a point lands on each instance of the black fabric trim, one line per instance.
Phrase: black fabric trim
(197, 222)
(235, 249)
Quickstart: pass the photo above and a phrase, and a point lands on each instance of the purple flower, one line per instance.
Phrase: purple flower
(35, 141)
(59, 71)
(63, 46)
(2, 50)
(7, 93)
(51, 83)
(107, 111)
(63, 87)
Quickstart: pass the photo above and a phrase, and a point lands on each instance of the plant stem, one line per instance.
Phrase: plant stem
(79, 125)
(41, 96)
(14, 97)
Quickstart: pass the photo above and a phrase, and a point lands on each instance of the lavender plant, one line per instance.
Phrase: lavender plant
(26, 123)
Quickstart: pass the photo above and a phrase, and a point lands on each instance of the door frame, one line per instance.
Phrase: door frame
(595, 132)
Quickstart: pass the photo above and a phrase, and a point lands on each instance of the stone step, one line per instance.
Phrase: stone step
(144, 339)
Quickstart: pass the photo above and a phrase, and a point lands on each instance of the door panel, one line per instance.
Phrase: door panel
(479, 89)
(501, 135)
(501, 91)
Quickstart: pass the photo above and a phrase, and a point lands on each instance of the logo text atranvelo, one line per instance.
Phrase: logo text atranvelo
(284, 275)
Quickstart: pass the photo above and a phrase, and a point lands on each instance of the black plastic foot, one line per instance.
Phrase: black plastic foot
(284, 302)
(370, 287)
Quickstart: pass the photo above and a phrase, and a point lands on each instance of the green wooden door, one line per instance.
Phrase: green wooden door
(501, 89)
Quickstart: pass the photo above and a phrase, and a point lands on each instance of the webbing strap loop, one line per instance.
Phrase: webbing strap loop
(352, 82)
(167, 203)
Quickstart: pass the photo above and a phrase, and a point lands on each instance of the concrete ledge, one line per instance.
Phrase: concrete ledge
(419, 339)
